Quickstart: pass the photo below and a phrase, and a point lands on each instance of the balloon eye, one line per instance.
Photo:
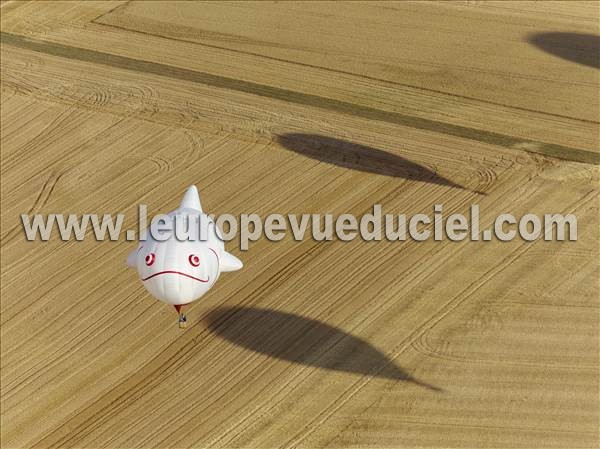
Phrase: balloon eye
(194, 260)
(150, 258)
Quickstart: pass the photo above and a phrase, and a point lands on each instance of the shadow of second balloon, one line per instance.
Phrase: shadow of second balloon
(580, 48)
(354, 156)
(305, 341)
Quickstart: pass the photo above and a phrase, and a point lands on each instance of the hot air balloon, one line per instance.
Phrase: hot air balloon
(179, 271)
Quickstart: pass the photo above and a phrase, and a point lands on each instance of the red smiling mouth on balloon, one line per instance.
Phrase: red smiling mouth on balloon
(175, 272)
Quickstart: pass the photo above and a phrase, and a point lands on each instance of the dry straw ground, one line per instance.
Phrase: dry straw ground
(314, 107)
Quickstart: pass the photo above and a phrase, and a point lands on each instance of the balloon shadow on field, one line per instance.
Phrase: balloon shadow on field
(581, 48)
(296, 339)
(354, 156)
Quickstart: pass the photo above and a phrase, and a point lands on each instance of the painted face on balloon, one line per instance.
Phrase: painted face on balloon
(177, 272)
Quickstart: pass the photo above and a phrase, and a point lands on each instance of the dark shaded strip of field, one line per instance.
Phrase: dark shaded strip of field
(123, 62)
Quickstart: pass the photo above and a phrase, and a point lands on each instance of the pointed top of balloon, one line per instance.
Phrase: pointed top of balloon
(191, 199)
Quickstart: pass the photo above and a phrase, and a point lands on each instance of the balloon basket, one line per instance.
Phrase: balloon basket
(182, 321)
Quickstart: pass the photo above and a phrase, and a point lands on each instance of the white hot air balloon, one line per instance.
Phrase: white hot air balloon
(179, 272)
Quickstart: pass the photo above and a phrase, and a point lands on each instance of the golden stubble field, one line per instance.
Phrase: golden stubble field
(302, 108)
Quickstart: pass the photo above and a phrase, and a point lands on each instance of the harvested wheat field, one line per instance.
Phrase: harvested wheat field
(303, 108)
